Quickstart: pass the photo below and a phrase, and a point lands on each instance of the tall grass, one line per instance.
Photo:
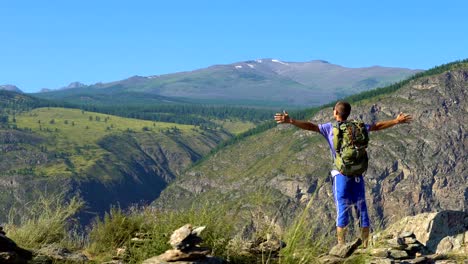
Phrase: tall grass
(305, 238)
(51, 220)
(47, 220)
(118, 227)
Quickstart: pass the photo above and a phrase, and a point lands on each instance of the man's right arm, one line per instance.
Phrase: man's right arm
(282, 118)
(400, 119)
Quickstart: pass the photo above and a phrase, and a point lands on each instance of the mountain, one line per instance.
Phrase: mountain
(106, 159)
(265, 82)
(9, 87)
(415, 168)
(45, 90)
(74, 85)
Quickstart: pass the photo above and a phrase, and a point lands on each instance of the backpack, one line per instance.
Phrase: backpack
(350, 139)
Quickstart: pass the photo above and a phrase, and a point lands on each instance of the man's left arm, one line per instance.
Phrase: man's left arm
(400, 119)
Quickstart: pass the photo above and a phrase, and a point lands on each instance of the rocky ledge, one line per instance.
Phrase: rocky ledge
(440, 237)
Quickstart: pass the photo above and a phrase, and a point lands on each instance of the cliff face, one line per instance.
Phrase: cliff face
(420, 167)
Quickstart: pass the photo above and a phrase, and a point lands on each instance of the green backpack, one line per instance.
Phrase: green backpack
(350, 139)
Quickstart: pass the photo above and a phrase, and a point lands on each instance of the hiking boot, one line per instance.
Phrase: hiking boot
(365, 236)
(341, 235)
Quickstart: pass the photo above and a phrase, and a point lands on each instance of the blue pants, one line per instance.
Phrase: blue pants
(348, 193)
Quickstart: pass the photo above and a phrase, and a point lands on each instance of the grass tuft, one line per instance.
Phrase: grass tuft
(47, 220)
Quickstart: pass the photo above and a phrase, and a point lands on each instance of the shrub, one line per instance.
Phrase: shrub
(47, 220)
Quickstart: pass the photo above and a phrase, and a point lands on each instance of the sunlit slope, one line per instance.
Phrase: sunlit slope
(105, 158)
(75, 134)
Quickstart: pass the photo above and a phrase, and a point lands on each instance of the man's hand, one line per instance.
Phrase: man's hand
(281, 118)
(402, 118)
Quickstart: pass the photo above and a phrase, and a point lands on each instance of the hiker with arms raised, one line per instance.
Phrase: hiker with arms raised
(348, 142)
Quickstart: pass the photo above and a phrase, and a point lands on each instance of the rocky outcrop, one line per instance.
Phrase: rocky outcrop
(441, 232)
(186, 249)
(440, 237)
(57, 254)
(10, 252)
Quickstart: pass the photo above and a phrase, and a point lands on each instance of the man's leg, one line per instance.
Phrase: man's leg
(340, 193)
(361, 206)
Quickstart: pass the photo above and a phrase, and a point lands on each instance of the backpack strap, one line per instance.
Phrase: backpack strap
(337, 137)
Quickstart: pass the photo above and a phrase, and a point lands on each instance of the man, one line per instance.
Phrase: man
(348, 191)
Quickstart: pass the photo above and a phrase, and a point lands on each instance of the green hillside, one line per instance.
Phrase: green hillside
(76, 134)
(106, 159)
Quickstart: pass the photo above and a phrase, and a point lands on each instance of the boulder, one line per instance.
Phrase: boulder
(344, 251)
(10, 252)
(440, 232)
(186, 249)
(56, 253)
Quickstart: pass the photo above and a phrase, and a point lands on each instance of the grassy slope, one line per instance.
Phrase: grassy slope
(72, 132)
(107, 159)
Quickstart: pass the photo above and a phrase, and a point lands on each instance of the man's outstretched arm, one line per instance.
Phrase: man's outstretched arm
(281, 118)
(400, 119)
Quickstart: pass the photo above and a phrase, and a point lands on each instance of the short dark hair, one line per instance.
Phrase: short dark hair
(343, 109)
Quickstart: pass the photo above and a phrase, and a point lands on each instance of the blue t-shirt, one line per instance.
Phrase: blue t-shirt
(327, 131)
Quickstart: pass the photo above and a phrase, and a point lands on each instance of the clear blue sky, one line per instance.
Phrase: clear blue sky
(52, 43)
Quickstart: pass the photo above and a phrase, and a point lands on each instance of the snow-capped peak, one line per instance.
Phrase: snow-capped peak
(278, 61)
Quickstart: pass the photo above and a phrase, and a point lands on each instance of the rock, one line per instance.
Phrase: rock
(329, 259)
(186, 250)
(186, 236)
(410, 240)
(398, 254)
(8, 257)
(406, 234)
(11, 253)
(379, 252)
(176, 254)
(206, 260)
(115, 261)
(447, 244)
(272, 246)
(380, 261)
(58, 253)
(6, 244)
(445, 231)
(396, 243)
(418, 260)
(414, 247)
(344, 251)
(120, 252)
(179, 235)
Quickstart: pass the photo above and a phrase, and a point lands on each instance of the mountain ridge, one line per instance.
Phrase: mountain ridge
(11, 88)
(269, 81)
